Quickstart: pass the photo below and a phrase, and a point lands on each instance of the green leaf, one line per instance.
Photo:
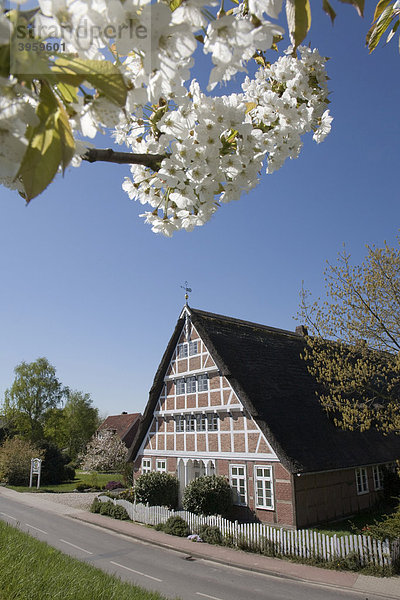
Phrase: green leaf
(101, 74)
(358, 5)
(375, 33)
(68, 93)
(298, 13)
(51, 144)
(174, 4)
(380, 7)
(329, 10)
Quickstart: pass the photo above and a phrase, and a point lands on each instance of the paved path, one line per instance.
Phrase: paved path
(384, 587)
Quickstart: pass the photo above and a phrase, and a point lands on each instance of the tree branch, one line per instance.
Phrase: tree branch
(153, 161)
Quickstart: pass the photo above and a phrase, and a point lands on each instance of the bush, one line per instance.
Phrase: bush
(208, 495)
(388, 528)
(113, 485)
(109, 509)
(210, 534)
(176, 526)
(158, 489)
(128, 495)
(15, 461)
(55, 467)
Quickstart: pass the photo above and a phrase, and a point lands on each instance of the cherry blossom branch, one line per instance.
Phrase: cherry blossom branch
(153, 161)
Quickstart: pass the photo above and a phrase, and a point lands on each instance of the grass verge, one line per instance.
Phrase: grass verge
(90, 479)
(33, 570)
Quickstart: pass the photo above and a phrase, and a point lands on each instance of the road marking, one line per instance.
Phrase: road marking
(37, 528)
(207, 596)
(133, 571)
(77, 547)
(8, 516)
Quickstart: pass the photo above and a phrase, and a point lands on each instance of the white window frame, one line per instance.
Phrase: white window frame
(180, 386)
(361, 481)
(263, 479)
(179, 423)
(212, 422)
(146, 465)
(191, 384)
(193, 347)
(190, 422)
(201, 422)
(202, 383)
(238, 483)
(161, 465)
(183, 351)
(378, 474)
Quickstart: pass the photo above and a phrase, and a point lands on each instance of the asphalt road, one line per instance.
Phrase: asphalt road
(171, 573)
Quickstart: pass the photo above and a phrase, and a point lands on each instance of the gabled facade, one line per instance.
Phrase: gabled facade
(234, 398)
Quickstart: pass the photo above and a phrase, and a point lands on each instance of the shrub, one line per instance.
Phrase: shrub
(208, 495)
(15, 461)
(210, 534)
(55, 467)
(113, 485)
(158, 489)
(388, 528)
(176, 526)
(128, 495)
(109, 509)
(105, 453)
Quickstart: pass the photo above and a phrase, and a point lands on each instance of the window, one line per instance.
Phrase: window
(193, 348)
(191, 385)
(212, 420)
(377, 473)
(201, 422)
(180, 386)
(161, 465)
(361, 480)
(202, 382)
(180, 423)
(190, 422)
(263, 487)
(146, 465)
(238, 483)
(182, 350)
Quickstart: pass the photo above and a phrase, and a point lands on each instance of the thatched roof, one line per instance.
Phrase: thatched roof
(264, 367)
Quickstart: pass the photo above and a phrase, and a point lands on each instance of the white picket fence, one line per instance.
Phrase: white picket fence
(276, 541)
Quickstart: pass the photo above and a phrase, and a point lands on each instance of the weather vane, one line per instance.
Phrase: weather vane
(187, 290)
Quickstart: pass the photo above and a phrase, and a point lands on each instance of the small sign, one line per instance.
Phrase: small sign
(36, 467)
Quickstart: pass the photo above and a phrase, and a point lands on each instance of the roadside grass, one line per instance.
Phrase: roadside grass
(33, 570)
(92, 479)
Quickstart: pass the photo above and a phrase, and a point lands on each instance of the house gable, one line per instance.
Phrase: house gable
(198, 411)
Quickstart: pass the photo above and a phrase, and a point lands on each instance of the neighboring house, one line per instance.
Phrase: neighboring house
(125, 425)
(234, 398)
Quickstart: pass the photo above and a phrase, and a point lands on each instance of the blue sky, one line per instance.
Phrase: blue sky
(88, 285)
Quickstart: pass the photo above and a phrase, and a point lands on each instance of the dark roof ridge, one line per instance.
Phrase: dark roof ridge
(243, 322)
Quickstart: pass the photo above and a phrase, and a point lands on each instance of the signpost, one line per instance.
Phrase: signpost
(36, 467)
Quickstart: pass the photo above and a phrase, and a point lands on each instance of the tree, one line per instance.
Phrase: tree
(35, 391)
(72, 427)
(105, 452)
(189, 151)
(354, 347)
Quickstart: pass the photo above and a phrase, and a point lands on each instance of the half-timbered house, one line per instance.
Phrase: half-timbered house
(235, 398)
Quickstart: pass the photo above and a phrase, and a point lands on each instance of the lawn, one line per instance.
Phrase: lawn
(356, 523)
(33, 570)
(81, 477)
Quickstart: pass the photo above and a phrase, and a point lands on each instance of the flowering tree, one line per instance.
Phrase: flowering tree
(70, 69)
(105, 452)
